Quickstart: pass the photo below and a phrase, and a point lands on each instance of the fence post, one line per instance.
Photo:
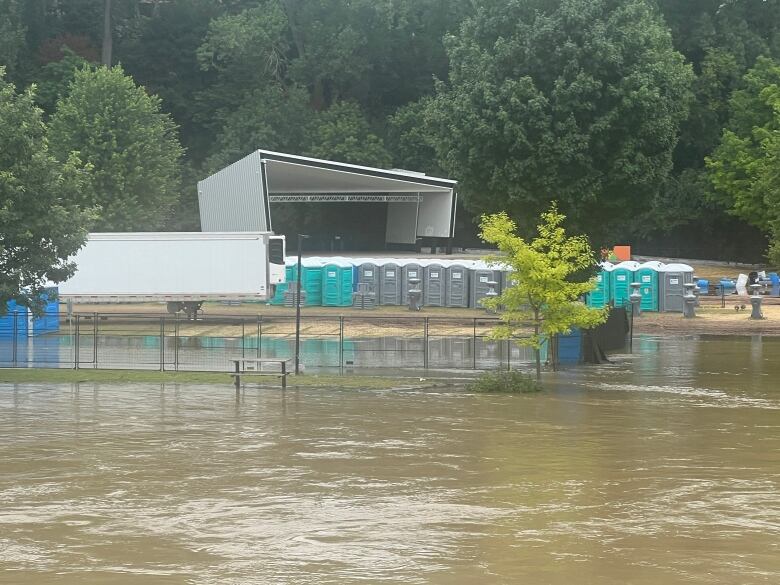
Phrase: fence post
(508, 355)
(176, 343)
(243, 337)
(341, 342)
(94, 340)
(77, 342)
(14, 335)
(259, 336)
(474, 345)
(425, 347)
(162, 344)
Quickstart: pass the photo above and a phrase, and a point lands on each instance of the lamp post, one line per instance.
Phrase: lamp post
(301, 237)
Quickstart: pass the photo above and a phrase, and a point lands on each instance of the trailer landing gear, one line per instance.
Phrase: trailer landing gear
(191, 308)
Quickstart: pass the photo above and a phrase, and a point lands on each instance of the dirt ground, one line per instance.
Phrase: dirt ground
(712, 319)
(399, 321)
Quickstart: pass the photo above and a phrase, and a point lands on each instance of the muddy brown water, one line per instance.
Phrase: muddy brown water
(663, 467)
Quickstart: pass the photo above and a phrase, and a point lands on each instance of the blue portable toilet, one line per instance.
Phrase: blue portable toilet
(14, 322)
(602, 294)
(622, 275)
(647, 276)
(49, 322)
(337, 283)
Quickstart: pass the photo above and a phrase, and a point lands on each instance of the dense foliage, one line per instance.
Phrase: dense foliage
(509, 382)
(546, 286)
(131, 146)
(40, 225)
(610, 106)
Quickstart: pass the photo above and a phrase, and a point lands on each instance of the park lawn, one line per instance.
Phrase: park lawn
(62, 375)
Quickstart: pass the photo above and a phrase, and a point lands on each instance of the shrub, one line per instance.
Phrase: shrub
(511, 381)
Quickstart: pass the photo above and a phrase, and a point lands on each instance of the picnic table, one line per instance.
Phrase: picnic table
(243, 366)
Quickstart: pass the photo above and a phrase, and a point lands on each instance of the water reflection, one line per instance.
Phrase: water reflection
(662, 467)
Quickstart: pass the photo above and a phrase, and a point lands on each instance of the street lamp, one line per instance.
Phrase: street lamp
(301, 237)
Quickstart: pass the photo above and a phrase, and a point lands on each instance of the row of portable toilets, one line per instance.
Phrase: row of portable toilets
(662, 286)
(331, 282)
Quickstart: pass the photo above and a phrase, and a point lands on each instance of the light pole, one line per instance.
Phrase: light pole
(301, 237)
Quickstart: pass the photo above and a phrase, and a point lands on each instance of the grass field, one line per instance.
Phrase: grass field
(61, 375)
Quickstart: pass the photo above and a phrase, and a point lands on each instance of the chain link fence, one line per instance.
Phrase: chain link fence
(133, 341)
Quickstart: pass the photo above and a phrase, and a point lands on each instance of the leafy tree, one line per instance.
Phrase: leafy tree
(577, 98)
(545, 292)
(12, 33)
(273, 117)
(40, 226)
(54, 80)
(342, 133)
(744, 167)
(118, 129)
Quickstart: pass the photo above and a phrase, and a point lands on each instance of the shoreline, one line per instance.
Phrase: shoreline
(108, 376)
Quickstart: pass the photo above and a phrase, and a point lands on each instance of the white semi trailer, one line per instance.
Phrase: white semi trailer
(183, 269)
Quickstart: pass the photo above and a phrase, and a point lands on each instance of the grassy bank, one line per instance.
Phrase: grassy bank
(57, 375)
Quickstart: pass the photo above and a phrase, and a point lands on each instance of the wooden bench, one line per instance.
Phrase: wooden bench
(254, 367)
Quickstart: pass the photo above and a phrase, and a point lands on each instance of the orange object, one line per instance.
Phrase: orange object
(622, 252)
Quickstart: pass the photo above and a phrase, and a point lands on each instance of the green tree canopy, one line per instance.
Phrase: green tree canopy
(40, 226)
(119, 130)
(744, 168)
(545, 292)
(577, 99)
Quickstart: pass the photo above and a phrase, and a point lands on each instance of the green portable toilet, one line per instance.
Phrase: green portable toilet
(311, 280)
(647, 277)
(337, 283)
(622, 275)
(602, 294)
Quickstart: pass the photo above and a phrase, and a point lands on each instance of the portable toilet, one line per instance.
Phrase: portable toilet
(621, 277)
(369, 273)
(647, 277)
(672, 280)
(456, 289)
(311, 280)
(602, 294)
(435, 279)
(481, 275)
(337, 283)
(411, 269)
(390, 279)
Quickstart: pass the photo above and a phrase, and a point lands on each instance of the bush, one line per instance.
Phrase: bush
(511, 381)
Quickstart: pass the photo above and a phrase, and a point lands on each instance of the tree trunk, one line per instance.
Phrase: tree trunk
(537, 351)
(108, 41)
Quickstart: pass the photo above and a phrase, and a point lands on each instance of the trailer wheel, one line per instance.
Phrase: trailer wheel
(192, 308)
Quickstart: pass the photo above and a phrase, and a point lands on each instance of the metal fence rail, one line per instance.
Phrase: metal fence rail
(161, 342)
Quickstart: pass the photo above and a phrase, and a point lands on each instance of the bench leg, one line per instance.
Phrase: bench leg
(237, 378)
(284, 376)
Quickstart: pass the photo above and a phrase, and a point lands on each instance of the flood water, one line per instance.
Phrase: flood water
(661, 468)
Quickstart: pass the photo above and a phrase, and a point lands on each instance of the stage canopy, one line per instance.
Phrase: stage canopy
(239, 197)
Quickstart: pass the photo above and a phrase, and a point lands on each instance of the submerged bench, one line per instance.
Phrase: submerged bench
(254, 367)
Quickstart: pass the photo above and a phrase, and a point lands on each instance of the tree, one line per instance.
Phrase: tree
(117, 128)
(12, 33)
(581, 99)
(40, 226)
(744, 167)
(545, 292)
(342, 133)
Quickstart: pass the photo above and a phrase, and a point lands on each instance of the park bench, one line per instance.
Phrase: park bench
(248, 367)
